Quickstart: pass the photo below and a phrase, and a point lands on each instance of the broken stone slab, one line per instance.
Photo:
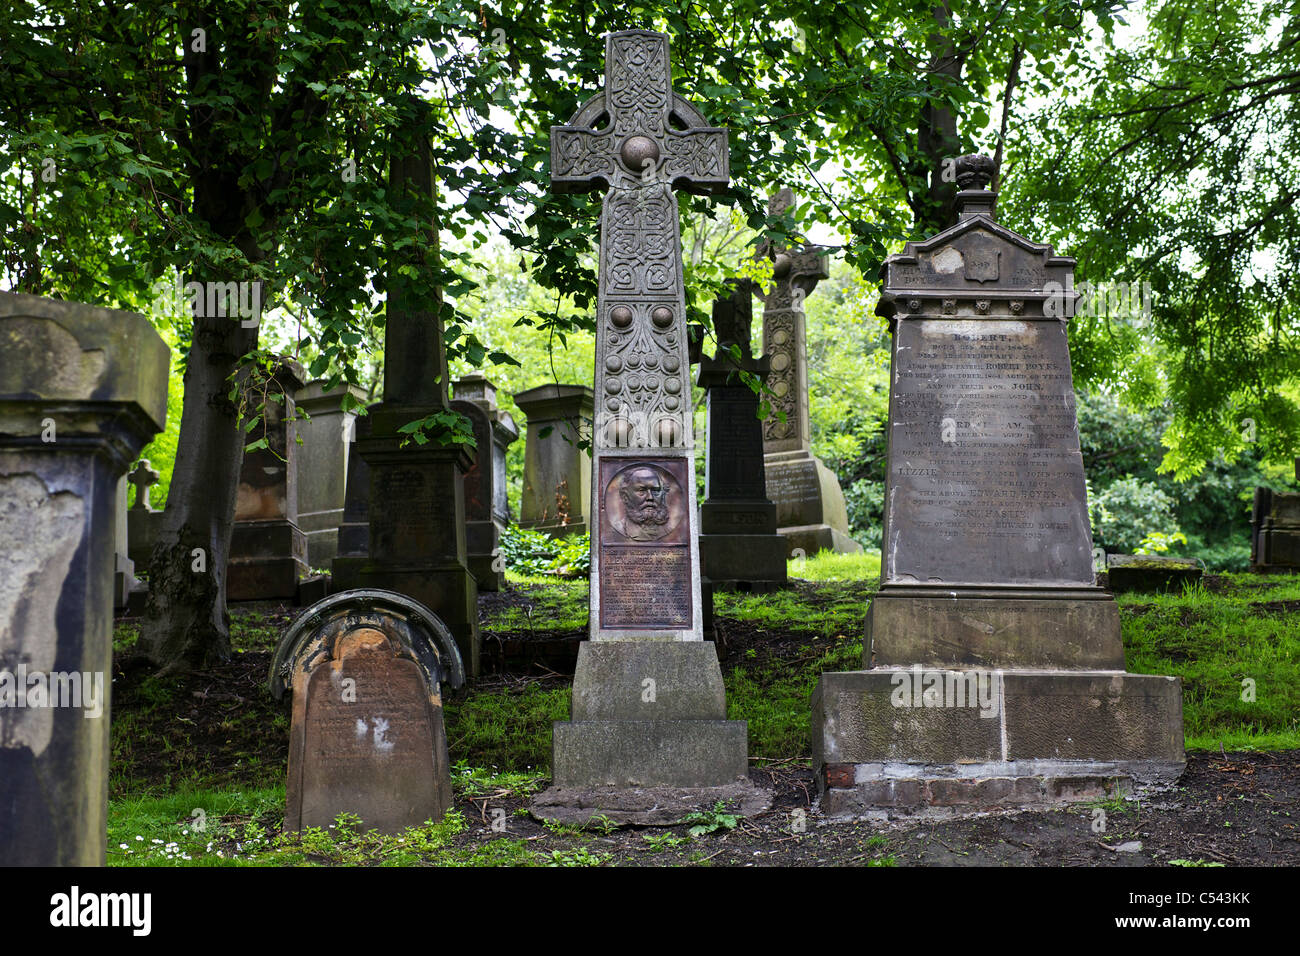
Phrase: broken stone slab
(647, 806)
(82, 389)
(1150, 572)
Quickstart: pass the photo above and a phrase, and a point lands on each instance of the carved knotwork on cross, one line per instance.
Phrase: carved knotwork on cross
(639, 140)
(142, 477)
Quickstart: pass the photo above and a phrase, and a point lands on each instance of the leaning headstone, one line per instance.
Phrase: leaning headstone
(740, 548)
(322, 465)
(268, 551)
(487, 509)
(82, 389)
(557, 470)
(649, 735)
(810, 509)
(994, 667)
(354, 530)
(366, 669)
(1275, 529)
(417, 497)
(142, 520)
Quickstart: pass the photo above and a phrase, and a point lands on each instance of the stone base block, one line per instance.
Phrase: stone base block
(743, 562)
(918, 738)
(1077, 628)
(481, 566)
(345, 572)
(649, 753)
(648, 681)
(804, 541)
(1150, 573)
(649, 806)
(266, 560)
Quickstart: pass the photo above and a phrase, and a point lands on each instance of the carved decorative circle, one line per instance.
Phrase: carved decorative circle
(780, 362)
(667, 432)
(914, 305)
(780, 337)
(671, 363)
(781, 388)
(673, 386)
(671, 402)
(662, 316)
(613, 385)
(981, 306)
(636, 150)
(621, 316)
(613, 364)
(618, 432)
(1017, 306)
(613, 404)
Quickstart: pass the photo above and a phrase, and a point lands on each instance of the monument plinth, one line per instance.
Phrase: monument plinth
(649, 733)
(810, 509)
(994, 665)
(557, 470)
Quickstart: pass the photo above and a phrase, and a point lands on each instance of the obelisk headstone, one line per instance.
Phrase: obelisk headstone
(994, 666)
(740, 548)
(557, 468)
(810, 509)
(417, 500)
(487, 509)
(82, 389)
(648, 702)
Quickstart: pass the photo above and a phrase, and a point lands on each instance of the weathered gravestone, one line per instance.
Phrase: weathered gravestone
(354, 531)
(142, 520)
(268, 551)
(123, 567)
(417, 499)
(739, 545)
(322, 465)
(996, 671)
(82, 389)
(810, 509)
(1275, 529)
(365, 669)
(648, 701)
(557, 471)
(487, 509)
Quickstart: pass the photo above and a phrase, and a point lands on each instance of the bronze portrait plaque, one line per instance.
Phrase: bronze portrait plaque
(644, 543)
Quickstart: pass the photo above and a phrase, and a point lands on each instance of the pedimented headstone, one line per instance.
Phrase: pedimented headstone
(557, 469)
(82, 389)
(649, 731)
(365, 669)
(487, 509)
(810, 509)
(994, 666)
(740, 548)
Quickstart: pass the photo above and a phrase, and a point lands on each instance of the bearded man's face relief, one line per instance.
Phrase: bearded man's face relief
(645, 499)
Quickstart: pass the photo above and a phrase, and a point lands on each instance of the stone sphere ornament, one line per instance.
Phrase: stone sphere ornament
(635, 152)
(621, 316)
(662, 316)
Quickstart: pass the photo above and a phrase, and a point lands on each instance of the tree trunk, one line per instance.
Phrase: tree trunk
(937, 140)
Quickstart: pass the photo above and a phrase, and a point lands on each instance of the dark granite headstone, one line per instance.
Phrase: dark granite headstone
(367, 737)
(987, 585)
(82, 389)
(740, 548)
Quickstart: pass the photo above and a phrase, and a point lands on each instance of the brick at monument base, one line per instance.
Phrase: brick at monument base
(1051, 736)
(628, 733)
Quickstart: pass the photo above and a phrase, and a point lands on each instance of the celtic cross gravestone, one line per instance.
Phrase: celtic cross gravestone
(648, 703)
(810, 510)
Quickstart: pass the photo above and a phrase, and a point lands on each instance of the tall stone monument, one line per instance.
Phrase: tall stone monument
(268, 551)
(354, 530)
(648, 701)
(557, 469)
(322, 466)
(993, 669)
(740, 548)
(417, 498)
(82, 389)
(487, 509)
(810, 509)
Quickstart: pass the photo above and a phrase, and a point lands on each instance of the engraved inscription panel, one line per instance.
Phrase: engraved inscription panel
(986, 479)
(645, 556)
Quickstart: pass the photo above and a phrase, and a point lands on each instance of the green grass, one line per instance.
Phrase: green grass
(842, 615)
(506, 731)
(554, 604)
(1214, 642)
(829, 566)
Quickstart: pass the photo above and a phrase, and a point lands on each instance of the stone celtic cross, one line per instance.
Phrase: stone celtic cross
(638, 140)
(795, 273)
(142, 478)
